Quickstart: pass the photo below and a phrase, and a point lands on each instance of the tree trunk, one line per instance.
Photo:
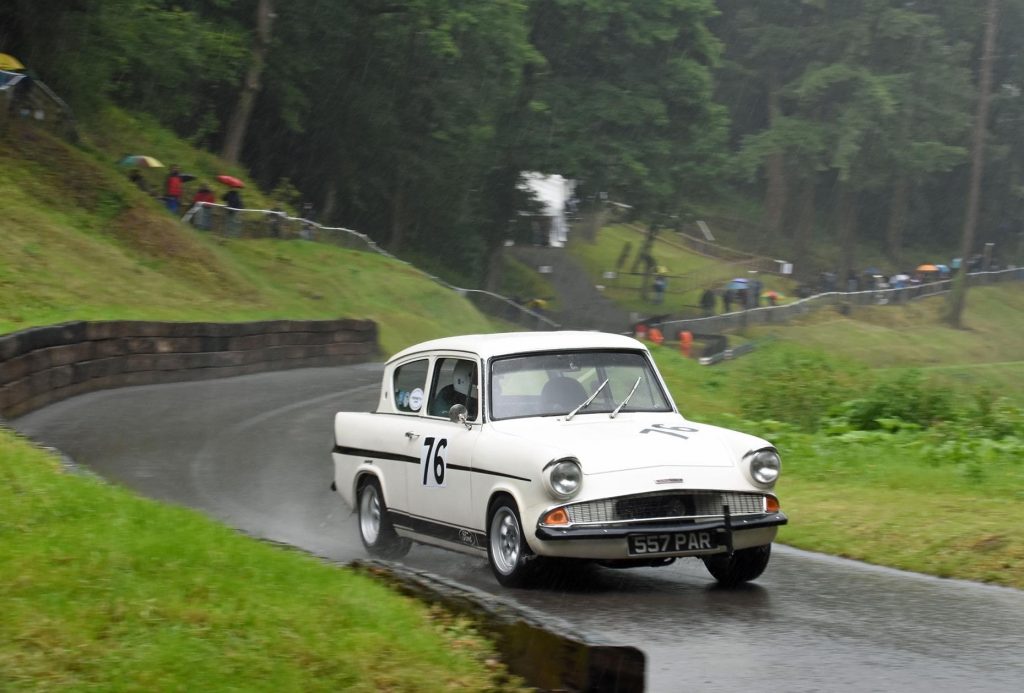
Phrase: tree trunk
(239, 122)
(397, 236)
(804, 225)
(646, 257)
(495, 268)
(847, 223)
(330, 202)
(775, 169)
(958, 296)
(897, 220)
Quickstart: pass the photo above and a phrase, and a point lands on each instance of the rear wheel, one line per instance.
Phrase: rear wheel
(742, 566)
(375, 529)
(510, 557)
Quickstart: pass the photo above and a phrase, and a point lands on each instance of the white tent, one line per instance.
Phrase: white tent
(553, 192)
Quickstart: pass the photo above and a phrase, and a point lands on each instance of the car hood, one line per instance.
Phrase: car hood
(630, 441)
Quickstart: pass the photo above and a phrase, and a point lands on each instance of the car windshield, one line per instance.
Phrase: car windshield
(556, 383)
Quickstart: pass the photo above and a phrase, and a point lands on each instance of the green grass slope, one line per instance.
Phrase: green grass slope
(689, 273)
(986, 353)
(81, 242)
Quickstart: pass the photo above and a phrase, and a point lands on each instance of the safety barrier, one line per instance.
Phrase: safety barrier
(738, 320)
(40, 106)
(43, 365)
(272, 223)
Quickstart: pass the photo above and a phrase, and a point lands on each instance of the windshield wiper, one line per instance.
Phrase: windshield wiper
(587, 402)
(635, 386)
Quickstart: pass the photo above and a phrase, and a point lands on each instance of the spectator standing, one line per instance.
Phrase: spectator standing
(727, 300)
(202, 198)
(660, 283)
(707, 302)
(172, 189)
(233, 199)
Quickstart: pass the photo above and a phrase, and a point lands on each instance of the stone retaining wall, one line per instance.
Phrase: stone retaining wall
(42, 365)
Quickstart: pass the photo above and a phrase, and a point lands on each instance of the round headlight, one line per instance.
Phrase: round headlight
(765, 466)
(564, 478)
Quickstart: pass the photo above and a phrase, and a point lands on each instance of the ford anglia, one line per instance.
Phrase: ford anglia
(533, 448)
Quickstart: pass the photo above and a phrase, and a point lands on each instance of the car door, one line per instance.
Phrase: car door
(439, 489)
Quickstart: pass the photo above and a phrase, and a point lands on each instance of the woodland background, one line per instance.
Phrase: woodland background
(806, 122)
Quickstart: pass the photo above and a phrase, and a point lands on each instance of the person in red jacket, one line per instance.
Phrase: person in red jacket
(172, 189)
(202, 214)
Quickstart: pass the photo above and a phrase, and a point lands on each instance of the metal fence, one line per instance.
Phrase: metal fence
(737, 320)
(702, 246)
(265, 223)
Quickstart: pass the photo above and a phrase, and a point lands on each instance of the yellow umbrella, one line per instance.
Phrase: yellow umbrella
(927, 268)
(9, 62)
(141, 161)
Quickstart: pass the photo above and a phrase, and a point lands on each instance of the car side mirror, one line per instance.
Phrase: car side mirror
(459, 414)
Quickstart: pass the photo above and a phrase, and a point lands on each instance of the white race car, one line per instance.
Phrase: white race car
(540, 446)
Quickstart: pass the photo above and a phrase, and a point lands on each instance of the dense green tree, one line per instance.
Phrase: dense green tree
(152, 56)
(621, 102)
(863, 100)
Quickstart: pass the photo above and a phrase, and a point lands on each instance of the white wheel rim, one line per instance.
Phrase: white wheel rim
(505, 540)
(369, 514)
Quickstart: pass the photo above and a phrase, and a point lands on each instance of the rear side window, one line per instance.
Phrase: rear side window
(407, 386)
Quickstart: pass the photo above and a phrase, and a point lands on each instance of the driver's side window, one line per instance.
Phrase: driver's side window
(455, 382)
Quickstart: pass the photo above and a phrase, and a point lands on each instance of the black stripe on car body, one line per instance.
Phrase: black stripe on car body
(456, 535)
(380, 455)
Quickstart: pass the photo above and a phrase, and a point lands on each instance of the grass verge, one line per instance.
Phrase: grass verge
(932, 501)
(102, 590)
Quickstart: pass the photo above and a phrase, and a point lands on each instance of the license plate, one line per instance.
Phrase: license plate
(648, 544)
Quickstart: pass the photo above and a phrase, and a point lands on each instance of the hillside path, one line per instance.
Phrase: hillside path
(581, 306)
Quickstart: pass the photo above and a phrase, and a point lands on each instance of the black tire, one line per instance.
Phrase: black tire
(508, 554)
(742, 566)
(375, 528)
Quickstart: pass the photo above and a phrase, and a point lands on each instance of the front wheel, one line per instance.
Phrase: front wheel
(507, 551)
(375, 529)
(742, 566)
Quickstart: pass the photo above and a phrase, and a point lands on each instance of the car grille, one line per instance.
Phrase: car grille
(665, 506)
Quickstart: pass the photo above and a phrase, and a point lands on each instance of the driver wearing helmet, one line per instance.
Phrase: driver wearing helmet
(458, 391)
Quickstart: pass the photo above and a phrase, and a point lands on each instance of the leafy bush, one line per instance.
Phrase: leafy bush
(998, 417)
(793, 384)
(892, 404)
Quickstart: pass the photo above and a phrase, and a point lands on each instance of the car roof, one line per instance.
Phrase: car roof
(504, 343)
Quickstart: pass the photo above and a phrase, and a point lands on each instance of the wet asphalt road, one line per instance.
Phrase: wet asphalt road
(253, 452)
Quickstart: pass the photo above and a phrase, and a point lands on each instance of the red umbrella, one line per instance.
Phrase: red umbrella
(231, 181)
